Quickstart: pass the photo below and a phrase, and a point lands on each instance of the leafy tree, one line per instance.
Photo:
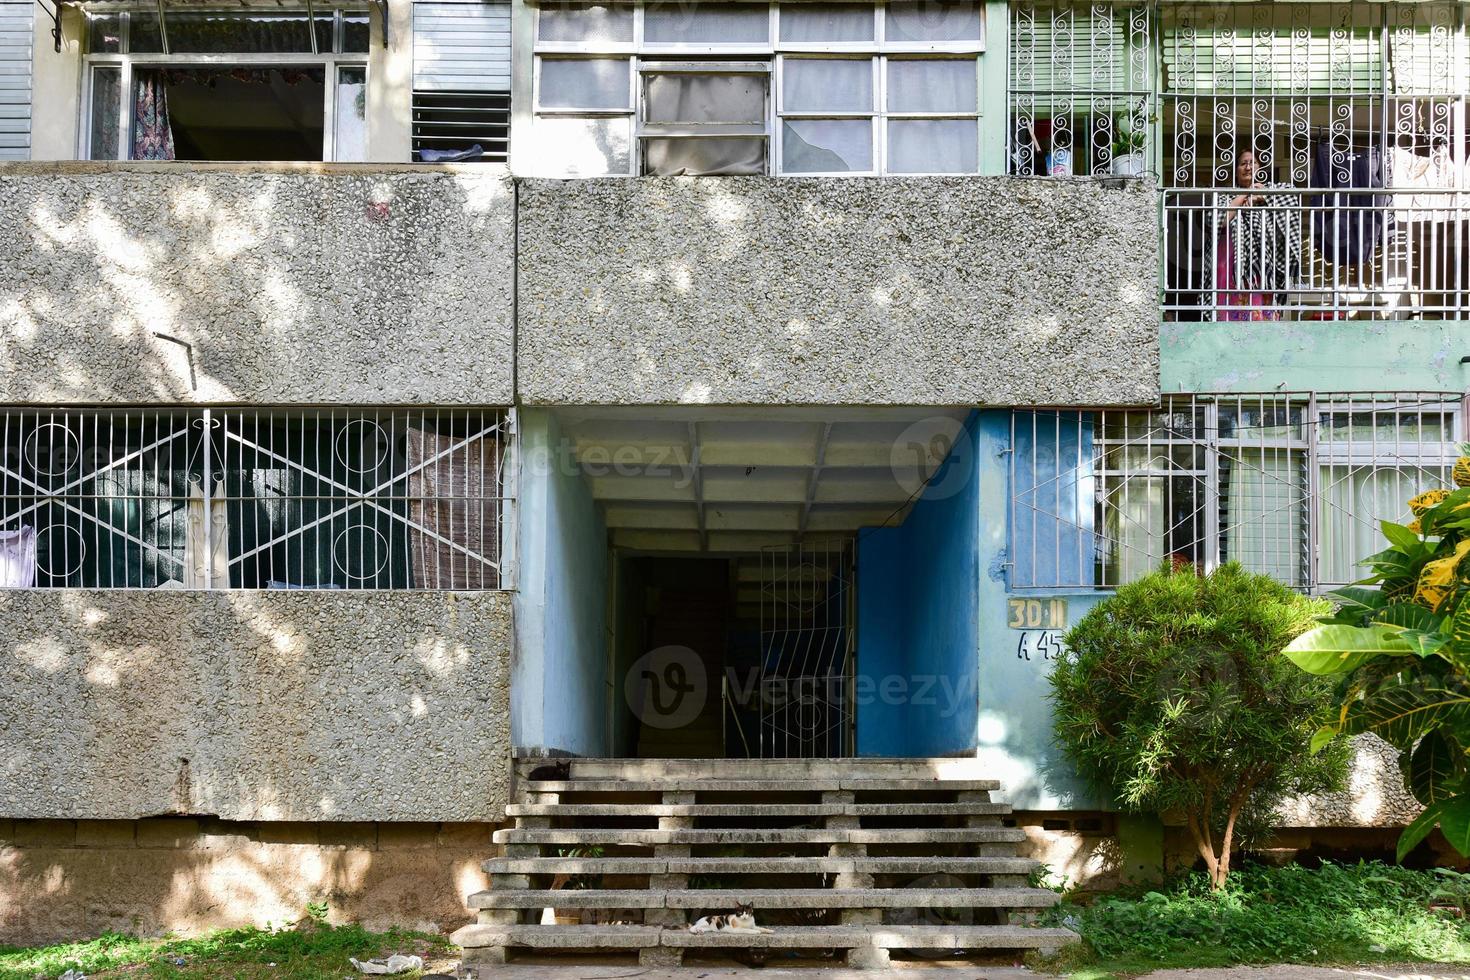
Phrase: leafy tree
(1399, 647)
(1173, 695)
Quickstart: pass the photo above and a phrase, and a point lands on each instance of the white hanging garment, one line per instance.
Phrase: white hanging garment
(18, 558)
(219, 533)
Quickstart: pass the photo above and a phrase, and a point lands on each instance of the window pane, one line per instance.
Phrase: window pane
(722, 155)
(227, 32)
(585, 22)
(926, 20)
(104, 33)
(690, 98)
(821, 146)
(143, 32)
(583, 147)
(593, 83)
(350, 141)
(822, 85)
(355, 33)
(735, 23)
(933, 146)
(822, 22)
(932, 86)
(106, 100)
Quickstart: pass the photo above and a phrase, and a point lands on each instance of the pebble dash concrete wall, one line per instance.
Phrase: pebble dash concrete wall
(280, 706)
(845, 290)
(292, 283)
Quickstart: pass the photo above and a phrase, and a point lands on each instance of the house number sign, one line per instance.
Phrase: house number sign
(1040, 623)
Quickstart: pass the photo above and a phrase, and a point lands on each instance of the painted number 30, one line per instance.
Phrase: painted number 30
(1045, 644)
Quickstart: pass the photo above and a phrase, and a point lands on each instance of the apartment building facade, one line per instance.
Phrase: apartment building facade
(396, 391)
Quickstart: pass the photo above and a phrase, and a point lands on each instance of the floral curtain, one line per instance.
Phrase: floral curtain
(153, 139)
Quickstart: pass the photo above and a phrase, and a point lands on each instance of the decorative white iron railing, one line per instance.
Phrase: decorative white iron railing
(253, 499)
(1290, 484)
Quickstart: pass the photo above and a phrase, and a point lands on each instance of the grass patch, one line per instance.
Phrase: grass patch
(310, 952)
(1334, 913)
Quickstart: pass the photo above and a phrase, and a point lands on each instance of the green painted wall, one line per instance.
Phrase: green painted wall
(1358, 355)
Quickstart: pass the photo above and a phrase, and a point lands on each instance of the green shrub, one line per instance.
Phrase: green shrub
(1173, 695)
(1334, 913)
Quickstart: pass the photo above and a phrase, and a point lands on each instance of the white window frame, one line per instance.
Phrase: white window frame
(879, 50)
(127, 62)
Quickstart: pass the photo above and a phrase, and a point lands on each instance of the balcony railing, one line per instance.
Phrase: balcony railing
(250, 499)
(1278, 253)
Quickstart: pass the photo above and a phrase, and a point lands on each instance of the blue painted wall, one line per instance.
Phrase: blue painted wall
(918, 621)
(559, 680)
(1013, 729)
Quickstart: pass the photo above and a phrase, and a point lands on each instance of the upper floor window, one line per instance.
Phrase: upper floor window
(236, 84)
(743, 88)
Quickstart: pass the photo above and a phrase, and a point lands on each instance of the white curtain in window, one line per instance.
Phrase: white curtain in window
(826, 85)
(1133, 522)
(1354, 499)
(1264, 512)
(942, 146)
(928, 20)
(932, 86)
(584, 83)
(679, 97)
(826, 22)
(820, 146)
(734, 23)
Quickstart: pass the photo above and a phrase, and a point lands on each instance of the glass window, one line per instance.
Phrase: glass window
(669, 157)
(584, 83)
(826, 146)
(143, 33)
(803, 23)
(827, 85)
(928, 21)
(585, 22)
(106, 103)
(356, 33)
(735, 23)
(679, 97)
(933, 85)
(585, 147)
(349, 140)
(104, 33)
(231, 32)
(933, 146)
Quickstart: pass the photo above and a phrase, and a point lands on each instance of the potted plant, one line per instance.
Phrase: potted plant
(1130, 141)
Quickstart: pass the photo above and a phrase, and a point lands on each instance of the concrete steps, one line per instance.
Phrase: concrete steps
(862, 856)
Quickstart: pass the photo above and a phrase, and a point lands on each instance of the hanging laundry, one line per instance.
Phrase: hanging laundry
(218, 551)
(1348, 227)
(1421, 183)
(18, 558)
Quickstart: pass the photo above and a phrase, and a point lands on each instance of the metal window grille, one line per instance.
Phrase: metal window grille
(1082, 94)
(253, 499)
(1293, 485)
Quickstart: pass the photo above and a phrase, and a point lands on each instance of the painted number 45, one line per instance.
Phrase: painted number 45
(1044, 644)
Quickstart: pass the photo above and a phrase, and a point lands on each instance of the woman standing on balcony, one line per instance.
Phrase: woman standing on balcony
(1257, 246)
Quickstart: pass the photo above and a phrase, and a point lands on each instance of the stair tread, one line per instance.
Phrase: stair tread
(760, 865)
(795, 937)
(752, 809)
(780, 835)
(708, 784)
(766, 898)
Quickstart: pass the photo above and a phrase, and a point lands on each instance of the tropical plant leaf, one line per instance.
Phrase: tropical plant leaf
(1337, 649)
(1435, 768)
(1356, 596)
(1405, 710)
(1460, 628)
(1409, 615)
(1400, 535)
(1415, 832)
(1321, 737)
(1424, 644)
(1454, 821)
